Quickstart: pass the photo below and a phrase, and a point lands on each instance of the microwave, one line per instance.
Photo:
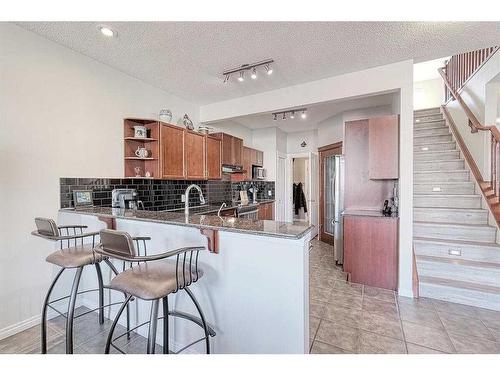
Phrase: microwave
(258, 173)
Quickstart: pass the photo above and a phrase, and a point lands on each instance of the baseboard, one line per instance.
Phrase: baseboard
(19, 327)
(30, 322)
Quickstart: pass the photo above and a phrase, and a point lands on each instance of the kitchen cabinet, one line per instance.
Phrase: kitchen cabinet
(370, 250)
(259, 159)
(266, 211)
(383, 147)
(194, 155)
(172, 152)
(213, 158)
(232, 149)
(247, 162)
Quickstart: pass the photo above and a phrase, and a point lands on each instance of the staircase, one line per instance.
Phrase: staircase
(457, 256)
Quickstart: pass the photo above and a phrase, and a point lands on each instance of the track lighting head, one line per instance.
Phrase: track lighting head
(303, 115)
(275, 117)
(226, 78)
(292, 116)
(241, 78)
(284, 115)
(269, 69)
(254, 74)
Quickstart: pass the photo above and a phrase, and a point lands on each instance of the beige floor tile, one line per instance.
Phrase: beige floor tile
(411, 313)
(474, 345)
(429, 337)
(371, 343)
(381, 324)
(417, 349)
(319, 294)
(377, 306)
(316, 308)
(455, 308)
(418, 303)
(353, 301)
(381, 294)
(319, 347)
(348, 287)
(342, 315)
(322, 282)
(343, 337)
(456, 324)
(313, 327)
(490, 318)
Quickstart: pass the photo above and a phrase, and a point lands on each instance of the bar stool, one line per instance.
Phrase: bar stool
(77, 254)
(153, 278)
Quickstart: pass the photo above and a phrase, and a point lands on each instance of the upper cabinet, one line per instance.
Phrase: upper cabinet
(213, 158)
(232, 149)
(383, 146)
(189, 155)
(194, 153)
(172, 151)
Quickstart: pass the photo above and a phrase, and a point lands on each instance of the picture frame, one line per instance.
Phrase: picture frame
(82, 198)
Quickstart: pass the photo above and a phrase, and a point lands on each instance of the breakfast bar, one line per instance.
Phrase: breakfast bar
(254, 289)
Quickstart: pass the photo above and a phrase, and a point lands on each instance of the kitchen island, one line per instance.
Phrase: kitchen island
(255, 288)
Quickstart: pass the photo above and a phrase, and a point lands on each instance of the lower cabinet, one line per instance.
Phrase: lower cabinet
(370, 250)
(266, 211)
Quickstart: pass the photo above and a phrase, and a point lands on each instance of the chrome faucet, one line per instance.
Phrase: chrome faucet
(186, 197)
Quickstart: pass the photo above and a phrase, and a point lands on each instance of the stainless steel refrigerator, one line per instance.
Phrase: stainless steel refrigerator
(338, 208)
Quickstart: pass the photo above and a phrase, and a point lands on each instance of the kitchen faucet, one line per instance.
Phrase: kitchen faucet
(186, 197)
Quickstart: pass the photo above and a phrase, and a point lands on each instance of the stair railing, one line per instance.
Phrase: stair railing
(460, 68)
(456, 72)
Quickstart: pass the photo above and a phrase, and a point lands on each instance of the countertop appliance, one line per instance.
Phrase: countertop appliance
(338, 208)
(258, 173)
(125, 198)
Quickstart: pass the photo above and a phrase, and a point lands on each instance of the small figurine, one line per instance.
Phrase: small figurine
(386, 211)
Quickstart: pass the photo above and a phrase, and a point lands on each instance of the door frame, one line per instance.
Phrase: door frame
(324, 151)
(289, 183)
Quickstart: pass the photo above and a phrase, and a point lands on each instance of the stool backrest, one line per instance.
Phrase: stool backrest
(46, 227)
(115, 242)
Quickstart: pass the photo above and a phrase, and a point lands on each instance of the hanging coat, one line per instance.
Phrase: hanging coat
(299, 198)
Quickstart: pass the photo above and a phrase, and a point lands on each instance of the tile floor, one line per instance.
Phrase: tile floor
(352, 318)
(344, 318)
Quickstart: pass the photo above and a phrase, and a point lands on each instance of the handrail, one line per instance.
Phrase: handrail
(475, 125)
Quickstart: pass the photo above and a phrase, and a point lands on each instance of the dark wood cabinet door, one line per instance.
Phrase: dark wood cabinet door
(214, 158)
(172, 151)
(237, 151)
(195, 155)
(247, 162)
(383, 147)
(259, 158)
(227, 145)
(262, 214)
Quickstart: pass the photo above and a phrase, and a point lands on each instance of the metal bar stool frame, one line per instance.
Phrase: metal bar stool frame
(73, 234)
(182, 282)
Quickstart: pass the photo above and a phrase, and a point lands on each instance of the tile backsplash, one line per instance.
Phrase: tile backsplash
(159, 194)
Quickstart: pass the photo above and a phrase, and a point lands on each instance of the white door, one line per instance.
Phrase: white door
(281, 188)
(313, 197)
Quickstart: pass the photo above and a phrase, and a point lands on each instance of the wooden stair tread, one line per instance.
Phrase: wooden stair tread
(459, 261)
(460, 284)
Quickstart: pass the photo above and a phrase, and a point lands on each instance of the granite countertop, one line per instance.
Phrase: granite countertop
(370, 213)
(213, 208)
(268, 228)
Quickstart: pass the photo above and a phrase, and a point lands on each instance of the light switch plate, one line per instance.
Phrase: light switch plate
(269, 193)
(183, 198)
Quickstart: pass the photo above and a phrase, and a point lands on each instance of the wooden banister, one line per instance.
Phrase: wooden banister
(455, 74)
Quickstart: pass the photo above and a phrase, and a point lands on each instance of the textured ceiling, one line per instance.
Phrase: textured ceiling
(187, 58)
(315, 114)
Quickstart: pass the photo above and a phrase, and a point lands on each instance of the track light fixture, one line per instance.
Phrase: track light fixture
(291, 114)
(248, 67)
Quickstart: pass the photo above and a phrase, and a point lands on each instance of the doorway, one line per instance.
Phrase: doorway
(326, 190)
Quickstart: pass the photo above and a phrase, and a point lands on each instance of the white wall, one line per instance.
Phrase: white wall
(265, 141)
(478, 97)
(61, 115)
(428, 93)
(294, 140)
(397, 78)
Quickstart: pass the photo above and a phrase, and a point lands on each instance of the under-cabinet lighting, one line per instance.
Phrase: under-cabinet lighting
(436, 189)
(425, 149)
(417, 120)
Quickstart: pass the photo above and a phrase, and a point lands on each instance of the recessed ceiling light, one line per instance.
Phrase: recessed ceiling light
(107, 31)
